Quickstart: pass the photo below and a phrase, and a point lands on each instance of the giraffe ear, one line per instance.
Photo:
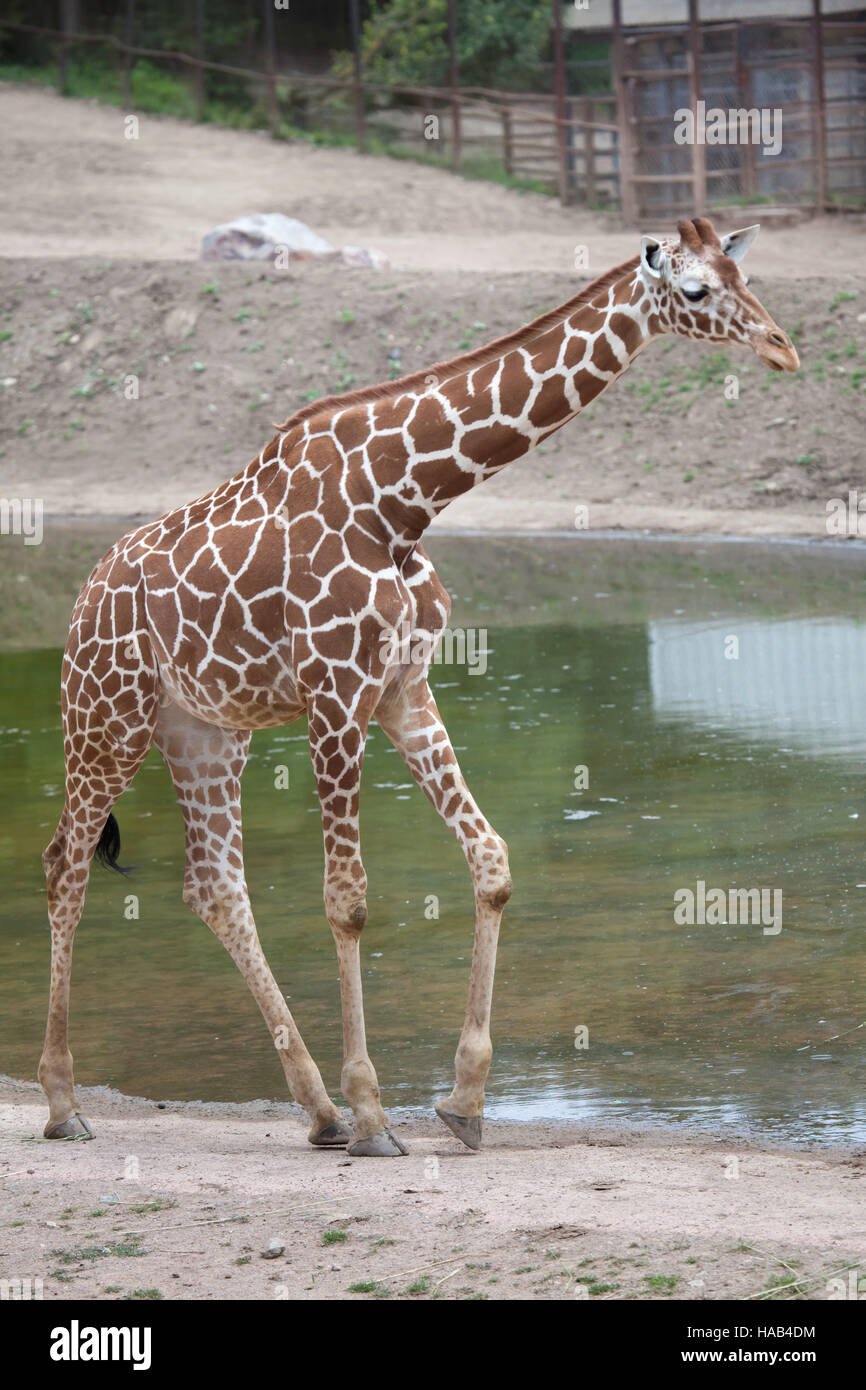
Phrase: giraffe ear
(653, 260)
(736, 244)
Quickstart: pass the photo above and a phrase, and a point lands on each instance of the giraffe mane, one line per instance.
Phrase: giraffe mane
(478, 357)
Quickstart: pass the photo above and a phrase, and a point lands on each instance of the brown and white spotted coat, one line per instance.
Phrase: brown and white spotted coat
(269, 598)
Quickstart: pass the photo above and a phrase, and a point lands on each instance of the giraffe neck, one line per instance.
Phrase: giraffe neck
(409, 451)
(466, 428)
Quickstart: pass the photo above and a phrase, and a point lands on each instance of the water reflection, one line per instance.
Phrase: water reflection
(797, 681)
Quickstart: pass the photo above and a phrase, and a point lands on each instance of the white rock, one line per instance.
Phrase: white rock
(257, 237)
(264, 234)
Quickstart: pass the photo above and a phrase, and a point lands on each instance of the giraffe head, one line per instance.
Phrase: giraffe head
(699, 291)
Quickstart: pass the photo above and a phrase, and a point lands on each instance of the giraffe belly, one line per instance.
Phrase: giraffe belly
(251, 701)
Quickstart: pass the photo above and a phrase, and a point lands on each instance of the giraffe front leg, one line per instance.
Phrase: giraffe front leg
(413, 724)
(463, 1111)
(358, 1081)
(337, 754)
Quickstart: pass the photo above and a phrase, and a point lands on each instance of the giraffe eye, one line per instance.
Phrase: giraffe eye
(695, 295)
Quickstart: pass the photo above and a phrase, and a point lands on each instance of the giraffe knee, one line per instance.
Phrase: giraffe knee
(358, 915)
(347, 913)
(492, 877)
(349, 918)
(497, 897)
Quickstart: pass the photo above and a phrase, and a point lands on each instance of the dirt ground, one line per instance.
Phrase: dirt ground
(182, 1203)
(99, 283)
(83, 189)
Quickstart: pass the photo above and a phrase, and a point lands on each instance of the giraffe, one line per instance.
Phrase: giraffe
(269, 597)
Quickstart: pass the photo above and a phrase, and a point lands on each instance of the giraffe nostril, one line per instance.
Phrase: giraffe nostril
(779, 339)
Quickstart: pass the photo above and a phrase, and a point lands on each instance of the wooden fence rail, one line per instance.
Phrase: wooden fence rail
(592, 149)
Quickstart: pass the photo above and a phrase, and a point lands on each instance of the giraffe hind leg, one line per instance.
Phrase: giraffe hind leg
(109, 690)
(93, 785)
(205, 764)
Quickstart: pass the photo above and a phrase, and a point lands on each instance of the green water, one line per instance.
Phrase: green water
(744, 772)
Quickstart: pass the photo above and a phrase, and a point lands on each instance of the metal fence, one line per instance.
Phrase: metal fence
(810, 71)
(619, 151)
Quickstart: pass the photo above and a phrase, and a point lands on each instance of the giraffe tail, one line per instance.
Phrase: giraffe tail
(108, 847)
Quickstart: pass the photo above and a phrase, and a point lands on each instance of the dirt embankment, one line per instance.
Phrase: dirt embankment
(182, 1203)
(131, 388)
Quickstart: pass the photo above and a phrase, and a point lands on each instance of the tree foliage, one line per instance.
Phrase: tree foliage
(500, 43)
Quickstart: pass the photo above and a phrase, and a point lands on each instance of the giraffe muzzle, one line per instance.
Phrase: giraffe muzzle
(775, 350)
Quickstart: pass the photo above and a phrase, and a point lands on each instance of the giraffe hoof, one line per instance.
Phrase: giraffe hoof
(334, 1136)
(381, 1145)
(467, 1128)
(76, 1127)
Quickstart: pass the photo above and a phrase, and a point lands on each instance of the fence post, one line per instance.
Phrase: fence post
(67, 24)
(507, 146)
(128, 35)
(455, 95)
(748, 181)
(360, 123)
(199, 53)
(560, 107)
(586, 112)
(819, 109)
(627, 197)
(699, 162)
(271, 67)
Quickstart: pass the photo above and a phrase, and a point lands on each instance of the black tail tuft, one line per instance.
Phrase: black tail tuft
(108, 849)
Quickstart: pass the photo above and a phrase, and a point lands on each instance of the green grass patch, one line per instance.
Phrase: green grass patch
(84, 1254)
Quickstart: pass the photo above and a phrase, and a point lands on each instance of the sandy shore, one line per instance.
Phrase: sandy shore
(479, 511)
(184, 1201)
